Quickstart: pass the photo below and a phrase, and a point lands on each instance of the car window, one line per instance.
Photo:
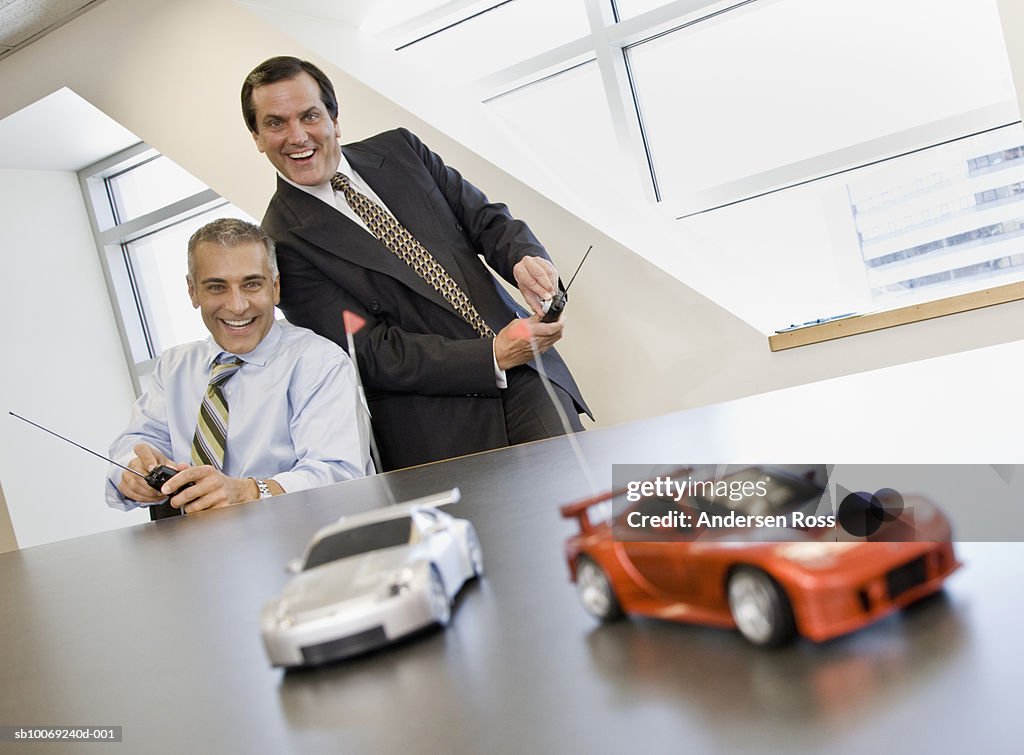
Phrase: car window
(358, 540)
(782, 493)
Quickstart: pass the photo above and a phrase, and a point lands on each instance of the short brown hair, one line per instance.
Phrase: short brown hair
(283, 68)
(229, 232)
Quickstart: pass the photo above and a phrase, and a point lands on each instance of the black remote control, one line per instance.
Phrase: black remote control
(159, 475)
(555, 307)
(156, 478)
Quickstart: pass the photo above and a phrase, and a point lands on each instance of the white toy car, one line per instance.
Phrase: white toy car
(370, 579)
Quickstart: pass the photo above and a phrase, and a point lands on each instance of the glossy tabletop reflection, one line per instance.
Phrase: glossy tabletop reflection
(155, 628)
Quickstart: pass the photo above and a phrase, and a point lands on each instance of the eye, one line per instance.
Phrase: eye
(311, 117)
(273, 123)
(254, 285)
(214, 288)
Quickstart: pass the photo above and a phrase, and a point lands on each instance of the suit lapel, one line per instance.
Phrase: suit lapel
(336, 234)
(396, 188)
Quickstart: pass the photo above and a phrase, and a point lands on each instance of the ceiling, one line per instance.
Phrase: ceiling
(59, 132)
(22, 22)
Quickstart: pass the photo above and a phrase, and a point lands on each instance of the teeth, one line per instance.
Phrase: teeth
(301, 155)
(239, 323)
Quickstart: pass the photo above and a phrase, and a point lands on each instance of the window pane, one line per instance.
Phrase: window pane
(383, 18)
(629, 8)
(936, 223)
(780, 82)
(499, 38)
(150, 186)
(564, 119)
(159, 262)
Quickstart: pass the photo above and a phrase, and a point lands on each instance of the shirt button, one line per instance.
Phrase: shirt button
(375, 306)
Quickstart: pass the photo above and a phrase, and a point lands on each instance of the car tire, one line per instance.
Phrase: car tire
(474, 551)
(595, 590)
(440, 605)
(760, 607)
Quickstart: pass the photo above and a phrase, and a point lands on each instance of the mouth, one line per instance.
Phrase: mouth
(238, 324)
(299, 156)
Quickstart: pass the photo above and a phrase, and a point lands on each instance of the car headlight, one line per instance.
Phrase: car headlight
(399, 583)
(283, 616)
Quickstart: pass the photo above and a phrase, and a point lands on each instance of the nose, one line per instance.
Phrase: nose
(296, 133)
(236, 301)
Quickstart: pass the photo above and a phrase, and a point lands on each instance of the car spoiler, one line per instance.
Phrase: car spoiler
(437, 499)
(579, 509)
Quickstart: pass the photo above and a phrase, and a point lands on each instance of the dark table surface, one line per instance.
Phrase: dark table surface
(155, 628)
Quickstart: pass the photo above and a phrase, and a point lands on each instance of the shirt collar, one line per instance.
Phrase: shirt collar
(258, 356)
(323, 191)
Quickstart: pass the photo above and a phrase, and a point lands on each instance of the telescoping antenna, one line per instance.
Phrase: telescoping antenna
(155, 479)
(554, 306)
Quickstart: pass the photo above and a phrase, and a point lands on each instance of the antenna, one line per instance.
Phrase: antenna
(521, 331)
(553, 307)
(156, 478)
(579, 266)
(68, 440)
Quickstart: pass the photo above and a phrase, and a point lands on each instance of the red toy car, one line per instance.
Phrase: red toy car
(771, 582)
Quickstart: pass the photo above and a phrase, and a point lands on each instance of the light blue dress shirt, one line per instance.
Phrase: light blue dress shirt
(294, 412)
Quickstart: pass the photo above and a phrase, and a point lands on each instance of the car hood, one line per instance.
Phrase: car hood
(346, 579)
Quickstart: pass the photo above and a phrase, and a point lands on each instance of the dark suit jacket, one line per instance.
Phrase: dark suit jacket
(429, 377)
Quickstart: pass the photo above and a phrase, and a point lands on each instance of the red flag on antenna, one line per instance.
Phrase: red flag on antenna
(353, 322)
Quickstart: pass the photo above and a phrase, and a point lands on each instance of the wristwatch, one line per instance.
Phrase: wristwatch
(262, 486)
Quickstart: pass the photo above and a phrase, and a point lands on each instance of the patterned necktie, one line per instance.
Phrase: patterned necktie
(208, 444)
(396, 237)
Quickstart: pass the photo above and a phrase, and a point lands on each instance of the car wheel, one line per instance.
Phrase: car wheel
(475, 552)
(440, 606)
(760, 607)
(596, 591)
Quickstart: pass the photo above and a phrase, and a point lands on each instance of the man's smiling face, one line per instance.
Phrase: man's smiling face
(295, 130)
(236, 293)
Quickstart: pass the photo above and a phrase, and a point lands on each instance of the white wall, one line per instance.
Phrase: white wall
(63, 362)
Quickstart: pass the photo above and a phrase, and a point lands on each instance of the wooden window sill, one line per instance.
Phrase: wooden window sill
(850, 326)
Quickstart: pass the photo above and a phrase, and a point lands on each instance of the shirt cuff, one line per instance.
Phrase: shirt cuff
(500, 378)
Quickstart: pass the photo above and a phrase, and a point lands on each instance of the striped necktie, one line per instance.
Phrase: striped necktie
(392, 234)
(209, 442)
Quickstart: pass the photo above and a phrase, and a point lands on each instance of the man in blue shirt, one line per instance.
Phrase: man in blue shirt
(294, 419)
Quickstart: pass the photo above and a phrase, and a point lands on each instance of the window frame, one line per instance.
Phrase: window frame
(113, 239)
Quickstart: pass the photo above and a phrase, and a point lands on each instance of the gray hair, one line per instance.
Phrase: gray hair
(230, 232)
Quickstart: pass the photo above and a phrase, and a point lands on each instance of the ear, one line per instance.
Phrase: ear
(277, 290)
(259, 141)
(192, 292)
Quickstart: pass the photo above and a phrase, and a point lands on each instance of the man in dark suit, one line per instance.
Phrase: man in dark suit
(359, 228)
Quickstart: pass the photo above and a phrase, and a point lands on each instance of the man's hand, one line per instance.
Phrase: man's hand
(134, 487)
(537, 280)
(511, 350)
(212, 489)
